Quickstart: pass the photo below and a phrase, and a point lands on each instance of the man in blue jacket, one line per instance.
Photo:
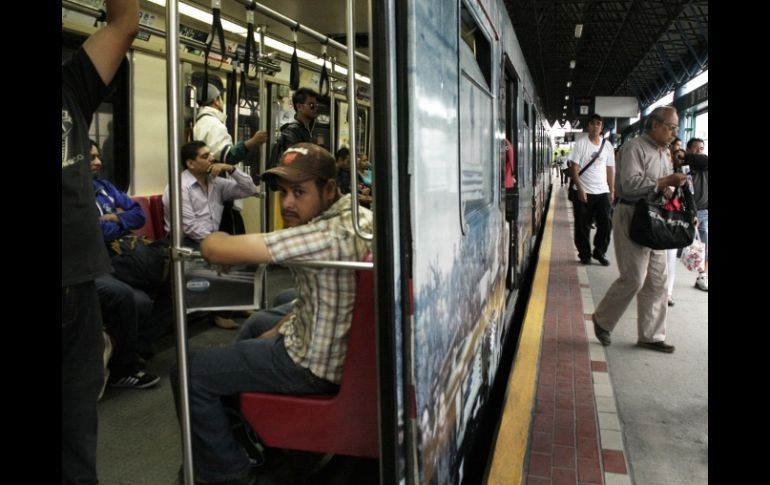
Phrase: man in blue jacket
(122, 305)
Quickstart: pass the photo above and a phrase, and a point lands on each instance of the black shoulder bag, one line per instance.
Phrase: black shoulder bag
(656, 226)
(572, 193)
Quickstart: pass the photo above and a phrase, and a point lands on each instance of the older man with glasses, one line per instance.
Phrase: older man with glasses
(644, 171)
(300, 129)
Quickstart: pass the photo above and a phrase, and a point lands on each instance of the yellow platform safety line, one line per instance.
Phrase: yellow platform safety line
(512, 437)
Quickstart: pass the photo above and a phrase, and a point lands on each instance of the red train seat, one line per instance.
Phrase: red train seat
(156, 211)
(148, 229)
(344, 423)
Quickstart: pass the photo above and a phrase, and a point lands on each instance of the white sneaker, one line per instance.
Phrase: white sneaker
(702, 282)
(106, 357)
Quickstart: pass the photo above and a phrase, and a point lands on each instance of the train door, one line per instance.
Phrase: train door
(510, 93)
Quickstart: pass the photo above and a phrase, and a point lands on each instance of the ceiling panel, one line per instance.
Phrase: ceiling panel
(641, 48)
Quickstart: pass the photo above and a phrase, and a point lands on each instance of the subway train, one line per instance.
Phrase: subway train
(437, 89)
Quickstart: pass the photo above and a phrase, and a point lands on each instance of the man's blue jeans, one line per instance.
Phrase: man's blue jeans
(248, 364)
(82, 346)
(703, 228)
(123, 307)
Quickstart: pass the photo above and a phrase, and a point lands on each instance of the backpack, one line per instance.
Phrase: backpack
(141, 263)
(276, 152)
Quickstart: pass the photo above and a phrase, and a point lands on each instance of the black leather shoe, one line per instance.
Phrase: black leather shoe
(585, 260)
(659, 346)
(602, 335)
(600, 257)
(670, 301)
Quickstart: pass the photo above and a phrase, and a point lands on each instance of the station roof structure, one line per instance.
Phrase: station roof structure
(641, 48)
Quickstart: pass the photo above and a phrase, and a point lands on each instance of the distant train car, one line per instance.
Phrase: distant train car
(444, 84)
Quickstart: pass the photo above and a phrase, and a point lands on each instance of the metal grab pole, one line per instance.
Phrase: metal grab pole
(264, 125)
(174, 107)
(352, 123)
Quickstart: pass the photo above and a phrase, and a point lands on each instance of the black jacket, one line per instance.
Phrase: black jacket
(292, 133)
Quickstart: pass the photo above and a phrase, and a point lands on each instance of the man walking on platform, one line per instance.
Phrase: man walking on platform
(644, 171)
(595, 189)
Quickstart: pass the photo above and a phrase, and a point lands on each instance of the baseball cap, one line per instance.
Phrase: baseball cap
(303, 162)
(211, 95)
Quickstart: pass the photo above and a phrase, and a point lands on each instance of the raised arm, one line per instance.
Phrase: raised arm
(107, 46)
(222, 248)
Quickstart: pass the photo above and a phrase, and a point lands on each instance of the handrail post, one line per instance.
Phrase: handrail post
(264, 124)
(352, 122)
(173, 88)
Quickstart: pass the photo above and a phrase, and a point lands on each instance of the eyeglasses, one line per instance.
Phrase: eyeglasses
(671, 126)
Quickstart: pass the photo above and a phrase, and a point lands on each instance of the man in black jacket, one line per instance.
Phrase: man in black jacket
(300, 128)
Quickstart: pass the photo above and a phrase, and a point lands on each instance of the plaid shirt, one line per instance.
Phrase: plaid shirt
(316, 334)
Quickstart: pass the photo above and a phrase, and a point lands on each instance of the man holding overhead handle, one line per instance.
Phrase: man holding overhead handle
(84, 84)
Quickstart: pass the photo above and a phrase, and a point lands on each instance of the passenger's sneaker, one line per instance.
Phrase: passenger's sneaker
(702, 282)
(106, 357)
(138, 380)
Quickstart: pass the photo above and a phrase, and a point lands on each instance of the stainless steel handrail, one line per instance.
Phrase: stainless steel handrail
(174, 112)
(352, 125)
(362, 265)
(269, 12)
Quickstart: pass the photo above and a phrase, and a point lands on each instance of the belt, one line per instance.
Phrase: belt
(627, 202)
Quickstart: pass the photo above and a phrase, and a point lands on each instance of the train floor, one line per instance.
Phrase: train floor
(616, 415)
(139, 436)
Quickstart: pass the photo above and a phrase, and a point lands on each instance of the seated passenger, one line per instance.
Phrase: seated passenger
(122, 306)
(203, 196)
(343, 170)
(298, 347)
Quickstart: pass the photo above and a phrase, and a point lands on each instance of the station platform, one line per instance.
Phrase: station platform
(580, 413)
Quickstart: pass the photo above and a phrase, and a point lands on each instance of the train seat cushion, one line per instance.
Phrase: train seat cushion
(148, 229)
(344, 423)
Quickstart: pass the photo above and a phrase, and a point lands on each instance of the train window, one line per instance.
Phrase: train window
(477, 174)
(473, 37)
(526, 113)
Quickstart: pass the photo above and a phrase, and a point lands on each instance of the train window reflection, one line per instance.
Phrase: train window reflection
(475, 39)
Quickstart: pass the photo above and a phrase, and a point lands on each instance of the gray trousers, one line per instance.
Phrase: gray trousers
(642, 274)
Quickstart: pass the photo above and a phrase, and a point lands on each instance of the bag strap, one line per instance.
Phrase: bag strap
(593, 159)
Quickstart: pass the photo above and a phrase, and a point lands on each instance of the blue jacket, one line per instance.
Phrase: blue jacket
(108, 200)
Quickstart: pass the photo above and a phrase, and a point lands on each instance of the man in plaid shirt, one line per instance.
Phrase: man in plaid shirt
(295, 348)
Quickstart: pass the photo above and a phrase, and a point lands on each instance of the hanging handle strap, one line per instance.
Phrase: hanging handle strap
(251, 44)
(294, 74)
(323, 84)
(216, 32)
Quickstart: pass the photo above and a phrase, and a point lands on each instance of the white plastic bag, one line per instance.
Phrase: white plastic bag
(694, 255)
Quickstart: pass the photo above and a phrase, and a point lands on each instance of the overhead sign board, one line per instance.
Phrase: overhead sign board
(617, 106)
